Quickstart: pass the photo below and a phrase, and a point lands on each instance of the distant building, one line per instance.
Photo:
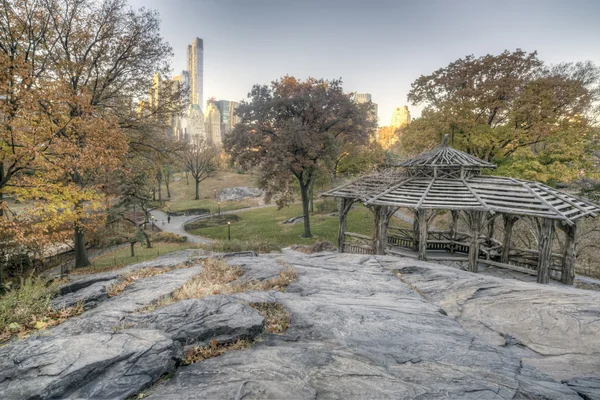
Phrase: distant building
(195, 132)
(212, 122)
(196, 71)
(365, 98)
(400, 117)
(228, 118)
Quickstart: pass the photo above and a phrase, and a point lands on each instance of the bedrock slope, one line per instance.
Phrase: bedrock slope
(358, 331)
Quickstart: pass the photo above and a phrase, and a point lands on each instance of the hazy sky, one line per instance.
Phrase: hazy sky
(375, 46)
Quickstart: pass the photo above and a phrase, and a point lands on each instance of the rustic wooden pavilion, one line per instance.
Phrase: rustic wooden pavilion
(447, 179)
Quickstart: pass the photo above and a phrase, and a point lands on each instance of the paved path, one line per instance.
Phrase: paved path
(177, 223)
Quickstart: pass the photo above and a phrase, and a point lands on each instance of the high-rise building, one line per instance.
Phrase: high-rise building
(400, 117)
(228, 117)
(196, 71)
(195, 130)
(212, 122)
(364, 98)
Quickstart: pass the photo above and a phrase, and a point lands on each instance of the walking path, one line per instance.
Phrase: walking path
(177, 224)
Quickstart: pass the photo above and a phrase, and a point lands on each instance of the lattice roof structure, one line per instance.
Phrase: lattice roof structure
(449, 179)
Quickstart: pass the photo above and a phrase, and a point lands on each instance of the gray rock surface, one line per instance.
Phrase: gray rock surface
(200, 321)
(358, 331)
(87, 366)
(238, 193)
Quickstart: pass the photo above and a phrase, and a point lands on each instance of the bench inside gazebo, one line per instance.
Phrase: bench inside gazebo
(449, 181)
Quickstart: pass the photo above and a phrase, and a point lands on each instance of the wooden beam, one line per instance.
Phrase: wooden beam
(545, 249)
(422, 217)
(453, 230)
(345, 205)
(415, 231)
(382, 219)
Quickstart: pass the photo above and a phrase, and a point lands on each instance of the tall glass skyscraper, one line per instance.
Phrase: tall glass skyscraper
(196, 71)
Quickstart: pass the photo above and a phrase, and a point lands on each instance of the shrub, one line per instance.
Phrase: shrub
(327, 206)
(233, 246)
(168, 237)
(216, 220)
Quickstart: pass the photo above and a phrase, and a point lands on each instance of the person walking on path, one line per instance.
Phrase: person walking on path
(168, 219)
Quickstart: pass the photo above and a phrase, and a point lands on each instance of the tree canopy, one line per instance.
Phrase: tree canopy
(292, 129)
(534, 120)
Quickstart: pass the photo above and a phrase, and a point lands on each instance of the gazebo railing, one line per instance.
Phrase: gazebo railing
(358, 244)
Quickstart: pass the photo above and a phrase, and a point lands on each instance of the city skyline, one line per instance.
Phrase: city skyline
(255, 42)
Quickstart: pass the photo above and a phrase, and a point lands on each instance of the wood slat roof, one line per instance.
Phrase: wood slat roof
(477, 193)
(448, 157)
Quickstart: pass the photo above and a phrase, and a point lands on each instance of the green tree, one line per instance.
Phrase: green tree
(533, 120)
(292, 129)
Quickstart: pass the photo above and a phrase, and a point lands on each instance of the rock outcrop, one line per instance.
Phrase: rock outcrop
(361, 327)
(238, 193)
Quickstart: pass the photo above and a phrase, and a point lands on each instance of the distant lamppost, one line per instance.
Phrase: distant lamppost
(229, 231)
(219, 212)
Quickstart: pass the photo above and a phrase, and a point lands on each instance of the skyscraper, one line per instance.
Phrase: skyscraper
(212, 122)
(400, 117)
(364, 98)
(196, 71)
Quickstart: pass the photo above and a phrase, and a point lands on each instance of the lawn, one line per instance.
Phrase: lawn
(263, 225)
(182, 194)
(122, 257)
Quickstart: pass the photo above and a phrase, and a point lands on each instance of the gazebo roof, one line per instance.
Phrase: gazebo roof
(444, 156)
(494, 194)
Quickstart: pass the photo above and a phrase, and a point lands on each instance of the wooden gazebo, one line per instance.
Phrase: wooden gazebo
(447, 179)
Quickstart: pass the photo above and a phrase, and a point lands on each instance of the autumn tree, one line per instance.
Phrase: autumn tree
(200, 160)
(292, 129)
(112, 52)
(532, 119)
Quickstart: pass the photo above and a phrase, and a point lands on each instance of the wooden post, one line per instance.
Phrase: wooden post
(422, 217)
(544, 249)
(415, 243)
(342, 228)
(569, 253)
(509, 222)
(475, 224)
(453, 228)
(381, 226)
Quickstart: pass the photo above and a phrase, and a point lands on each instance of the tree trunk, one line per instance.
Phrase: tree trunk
(187, 178)
(132, 244)
(304, 194)
(146, 238)
(509, 222)
(544, 250)
(81, 256)
(197, 191)
(1, 191)
(167, 178)
(422, 217)
(159, 181)
(311, 197)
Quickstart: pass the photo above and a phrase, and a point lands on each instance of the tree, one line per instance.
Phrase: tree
(292, 129)
(201, 161)
(533, 120)
(111, 52)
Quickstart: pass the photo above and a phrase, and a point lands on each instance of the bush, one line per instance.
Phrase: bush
(233, 246)
(217, 220)
(191, 211)
(168, 237)
(327, 206)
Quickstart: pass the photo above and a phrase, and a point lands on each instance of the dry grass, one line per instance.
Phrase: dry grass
(199, 353)
(407, 283)
(39, 322)
(217, 277)
(277, 319)
(130, 277)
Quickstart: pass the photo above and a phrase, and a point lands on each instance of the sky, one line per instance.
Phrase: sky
(375, 46)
